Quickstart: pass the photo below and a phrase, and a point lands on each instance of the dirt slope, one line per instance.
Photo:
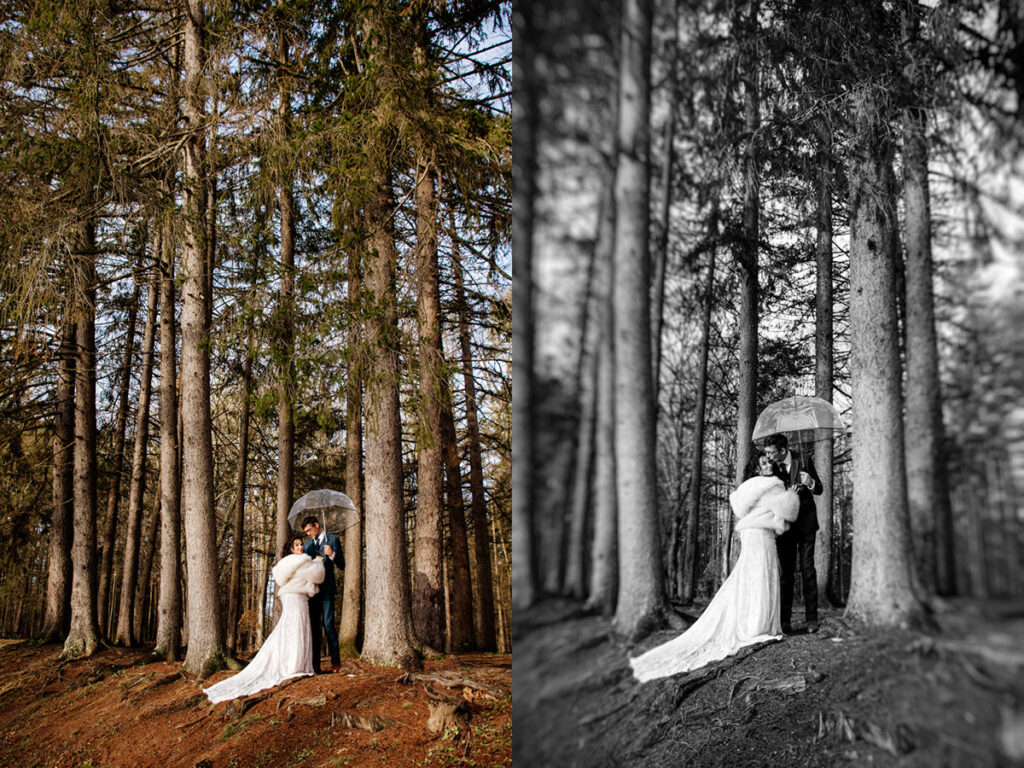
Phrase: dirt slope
(120, 708)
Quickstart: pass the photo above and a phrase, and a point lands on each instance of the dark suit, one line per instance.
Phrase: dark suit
(321, 605)
(798, 542)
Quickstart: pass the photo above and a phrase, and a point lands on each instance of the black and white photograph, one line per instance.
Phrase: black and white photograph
(768, 413)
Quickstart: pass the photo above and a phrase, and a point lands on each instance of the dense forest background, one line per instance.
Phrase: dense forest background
(249, 250)
(746, 138)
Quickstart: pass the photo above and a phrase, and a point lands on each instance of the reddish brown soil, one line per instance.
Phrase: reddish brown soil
(845, 697)
(120, 708)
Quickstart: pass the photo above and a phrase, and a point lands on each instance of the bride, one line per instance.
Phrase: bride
(745, 610)
(288, 651)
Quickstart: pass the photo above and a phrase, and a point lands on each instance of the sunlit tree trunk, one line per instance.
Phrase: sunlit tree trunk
(133, 527)
(428, 588)
(83, 637)
(59, 543)
(640, 599)
(881, 590)
(286, 323)
(351, 606)
(169, 602)
(206, 652)
(388, 637)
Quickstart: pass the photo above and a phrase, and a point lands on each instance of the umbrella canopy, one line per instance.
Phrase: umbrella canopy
(334, 508)
(802, 419)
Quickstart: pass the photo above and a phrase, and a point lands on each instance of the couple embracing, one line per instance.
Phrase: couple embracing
(306, 584)
(777, 524)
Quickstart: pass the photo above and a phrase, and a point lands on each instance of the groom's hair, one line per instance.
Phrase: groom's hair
(311, 521)
(778, 440)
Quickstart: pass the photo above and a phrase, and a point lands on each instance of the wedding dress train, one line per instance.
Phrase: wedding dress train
(745, 610)
(288, 651)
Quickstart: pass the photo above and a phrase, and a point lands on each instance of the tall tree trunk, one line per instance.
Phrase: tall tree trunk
(389, 623)
(483, 617)
(109, 541)
(143, 589)
(461, 636)
(125, 629)
(206, 653)
(169, 603)
(351, 606)
(286, 320)
(641, 598)
(604, 565)
(83, 638)
(931, 516)
(688, 569)
(238, 514)
(823, 360)
(427, 593)
(59, 544)
(747, 260)
(881, 591)
(524, 181)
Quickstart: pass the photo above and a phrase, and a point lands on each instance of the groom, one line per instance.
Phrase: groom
(798, 541)
(321, 606)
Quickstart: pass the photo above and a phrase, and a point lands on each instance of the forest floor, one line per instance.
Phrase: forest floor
(122, 708)
(844, 697)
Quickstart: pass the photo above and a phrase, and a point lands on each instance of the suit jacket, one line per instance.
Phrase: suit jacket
(329, 587)
(807, 520)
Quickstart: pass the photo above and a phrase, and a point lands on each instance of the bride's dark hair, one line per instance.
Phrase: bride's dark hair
(288, 547)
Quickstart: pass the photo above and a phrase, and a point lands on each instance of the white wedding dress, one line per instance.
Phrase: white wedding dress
(288, 652)
(745, 610)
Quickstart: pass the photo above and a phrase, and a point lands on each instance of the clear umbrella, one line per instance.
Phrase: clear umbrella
(802, 419)
(334, 508)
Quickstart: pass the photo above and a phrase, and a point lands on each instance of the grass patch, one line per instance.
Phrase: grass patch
(232, 728)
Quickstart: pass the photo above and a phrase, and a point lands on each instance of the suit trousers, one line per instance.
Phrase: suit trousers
(321, 621)
(792, 546)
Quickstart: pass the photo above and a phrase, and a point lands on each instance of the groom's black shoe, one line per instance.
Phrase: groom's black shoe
(812, 627)
(787, 628)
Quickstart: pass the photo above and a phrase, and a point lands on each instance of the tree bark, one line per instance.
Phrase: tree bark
(83, 637)
(58, 580)
(238, 512)
(688, 569)
(931, 516)
(286, 318)
(351, 607)
(604, 565)
(747, 261)
(125, 634)
(109, 541)
(428, 588)
(389, 624)
(143, 590)
(169, 602)
(461, 637)
(206, 653)
(524, 180)
(483, 604)
(640, 600)
(823, 361)
(881, 591)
